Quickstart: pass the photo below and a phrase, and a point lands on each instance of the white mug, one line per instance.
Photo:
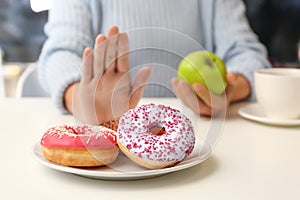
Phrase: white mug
(278, 92)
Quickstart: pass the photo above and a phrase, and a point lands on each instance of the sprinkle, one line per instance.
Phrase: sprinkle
(79, 137)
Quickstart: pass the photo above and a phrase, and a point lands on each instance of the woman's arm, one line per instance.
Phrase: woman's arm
(69, 32)
(235, 42)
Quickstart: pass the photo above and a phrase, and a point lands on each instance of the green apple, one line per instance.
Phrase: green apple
(205, 68)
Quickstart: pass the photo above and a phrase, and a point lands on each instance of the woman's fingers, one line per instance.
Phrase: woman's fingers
(231, 78)
(192, 99)
(190, 96)
(177, 89)
(216, 102)
(123, 53)
(139, 84)
(99, 53)
(202, 93)
(185, 93)
(111, 49)
(87, 70)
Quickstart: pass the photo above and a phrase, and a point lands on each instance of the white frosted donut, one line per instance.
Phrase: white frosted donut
(136, 139)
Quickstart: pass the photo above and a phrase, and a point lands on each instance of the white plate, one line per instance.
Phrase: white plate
(125, 169)
(255, 112)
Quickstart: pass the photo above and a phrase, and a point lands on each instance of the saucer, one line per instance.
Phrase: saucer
(125, 169)
(255, 112)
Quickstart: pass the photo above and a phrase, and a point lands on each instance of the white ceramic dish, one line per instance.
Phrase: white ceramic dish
(255, 112)
(125, 169)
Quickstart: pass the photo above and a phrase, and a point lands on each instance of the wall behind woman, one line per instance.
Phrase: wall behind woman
(277, 23)
(21, 31)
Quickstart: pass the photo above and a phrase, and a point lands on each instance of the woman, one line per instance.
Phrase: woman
(161, 33)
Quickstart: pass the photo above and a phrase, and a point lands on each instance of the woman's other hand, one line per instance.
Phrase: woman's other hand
(205, 103)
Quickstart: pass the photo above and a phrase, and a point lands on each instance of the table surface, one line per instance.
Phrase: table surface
(2, 92)
(250, 161)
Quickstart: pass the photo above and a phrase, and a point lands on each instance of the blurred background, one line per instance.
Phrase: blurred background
(276, 22)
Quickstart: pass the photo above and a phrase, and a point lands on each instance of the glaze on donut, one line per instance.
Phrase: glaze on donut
(83, 146)
(171, 145)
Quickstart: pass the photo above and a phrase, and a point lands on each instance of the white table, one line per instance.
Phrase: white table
(250, 161)
(2, 91)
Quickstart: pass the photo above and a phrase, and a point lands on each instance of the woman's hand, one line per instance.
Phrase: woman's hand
(105, 91)
(201, 101)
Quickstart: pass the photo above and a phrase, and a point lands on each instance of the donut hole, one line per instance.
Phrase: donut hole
(158, 130)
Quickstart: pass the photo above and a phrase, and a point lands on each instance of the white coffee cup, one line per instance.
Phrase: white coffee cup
(278, 92)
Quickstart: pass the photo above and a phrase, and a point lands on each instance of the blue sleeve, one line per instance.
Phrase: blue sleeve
(236, 43)
(69, 32)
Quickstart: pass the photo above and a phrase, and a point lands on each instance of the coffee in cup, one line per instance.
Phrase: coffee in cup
(278, 92)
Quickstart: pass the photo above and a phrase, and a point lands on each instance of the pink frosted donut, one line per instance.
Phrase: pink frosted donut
(84, 146)
(137, 138)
